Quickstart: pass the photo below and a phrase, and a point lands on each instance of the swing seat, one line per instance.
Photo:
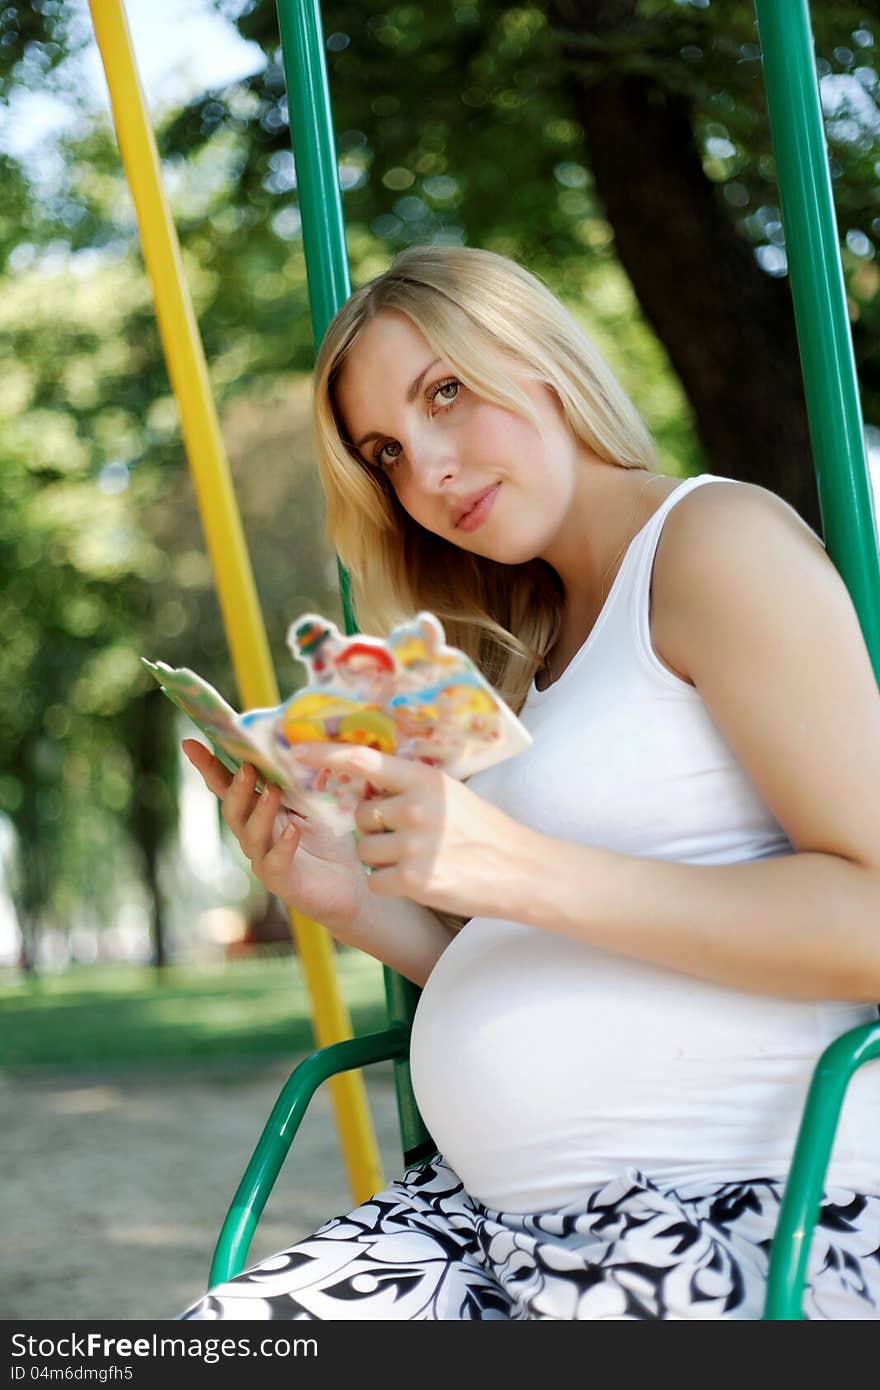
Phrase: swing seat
(800, 1203)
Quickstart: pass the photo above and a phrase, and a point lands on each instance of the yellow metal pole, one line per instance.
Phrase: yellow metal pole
(242, 619)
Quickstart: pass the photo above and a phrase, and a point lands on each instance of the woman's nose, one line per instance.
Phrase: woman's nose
(434, 462)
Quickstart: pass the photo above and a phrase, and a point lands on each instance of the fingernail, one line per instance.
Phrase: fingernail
(239, 776)
(289, 831)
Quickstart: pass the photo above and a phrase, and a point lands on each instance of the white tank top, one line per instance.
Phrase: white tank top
(543, 1065)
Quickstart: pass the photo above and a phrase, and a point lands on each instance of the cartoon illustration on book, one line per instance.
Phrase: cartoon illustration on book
(409, 694)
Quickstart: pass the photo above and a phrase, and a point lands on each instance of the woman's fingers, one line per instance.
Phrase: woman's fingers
(380, 850)
(236, 793)
(216, 777)
(257, 836)
(239, 800)
(378, 813)
(251, 818)
(386, 771)
(277, 860)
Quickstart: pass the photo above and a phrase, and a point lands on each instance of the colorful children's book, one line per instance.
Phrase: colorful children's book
(409, 694)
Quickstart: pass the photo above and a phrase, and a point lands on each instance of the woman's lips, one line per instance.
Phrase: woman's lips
(477, 515)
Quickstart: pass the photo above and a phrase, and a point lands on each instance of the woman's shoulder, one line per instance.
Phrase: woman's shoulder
(713, 534)
(731, 503)
(764, 625)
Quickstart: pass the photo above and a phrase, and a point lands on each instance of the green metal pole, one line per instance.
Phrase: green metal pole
(817, 288)
(274, 1143)
(314, 151)
(806, 1181)
(846, 503)
(317, 177)
(329, 281)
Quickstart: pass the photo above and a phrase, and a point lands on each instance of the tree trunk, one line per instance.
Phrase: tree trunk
(27, 955)
(32, 873)
(720, 318)
(150, 807)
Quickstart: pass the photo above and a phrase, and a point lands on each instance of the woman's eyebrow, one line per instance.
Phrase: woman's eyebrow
(410, 396)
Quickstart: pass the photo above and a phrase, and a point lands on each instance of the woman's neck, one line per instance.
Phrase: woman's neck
(611, 504)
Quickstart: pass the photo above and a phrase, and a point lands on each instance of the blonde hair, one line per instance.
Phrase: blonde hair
(463, 301)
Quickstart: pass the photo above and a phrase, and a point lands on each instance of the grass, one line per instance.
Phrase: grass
(102, 1015)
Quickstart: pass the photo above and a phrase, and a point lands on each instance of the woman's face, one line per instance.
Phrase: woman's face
(441, 446)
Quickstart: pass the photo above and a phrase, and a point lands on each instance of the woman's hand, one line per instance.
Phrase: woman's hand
(427, 837)
(307, 866)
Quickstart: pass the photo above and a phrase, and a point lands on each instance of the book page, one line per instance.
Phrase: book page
(409, 695)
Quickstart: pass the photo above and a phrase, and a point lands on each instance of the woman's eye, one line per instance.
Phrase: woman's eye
(446, 386)
(380, 454)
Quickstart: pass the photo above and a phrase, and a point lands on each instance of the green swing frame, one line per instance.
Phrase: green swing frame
(837, 435)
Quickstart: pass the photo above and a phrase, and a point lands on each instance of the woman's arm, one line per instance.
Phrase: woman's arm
(401, 934)
(761, 622)
(805, 926)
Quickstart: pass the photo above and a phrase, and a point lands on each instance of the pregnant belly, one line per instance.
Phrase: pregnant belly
(543, 1066)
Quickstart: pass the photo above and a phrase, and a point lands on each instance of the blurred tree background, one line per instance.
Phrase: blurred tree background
(618, 148)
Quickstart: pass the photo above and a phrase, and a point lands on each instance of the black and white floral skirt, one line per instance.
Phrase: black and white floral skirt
(633, 1249)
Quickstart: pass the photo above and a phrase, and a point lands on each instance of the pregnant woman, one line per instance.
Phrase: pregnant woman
(634, 938)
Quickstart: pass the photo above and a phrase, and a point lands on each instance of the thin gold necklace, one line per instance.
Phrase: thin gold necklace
(626, 540)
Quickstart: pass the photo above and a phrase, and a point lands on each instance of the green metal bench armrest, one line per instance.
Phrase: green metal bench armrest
(806, 1179)
(274, 1143)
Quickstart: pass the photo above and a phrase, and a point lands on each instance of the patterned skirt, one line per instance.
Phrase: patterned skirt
(633, 1249)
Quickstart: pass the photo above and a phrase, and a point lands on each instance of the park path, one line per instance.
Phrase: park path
(115, 1183)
